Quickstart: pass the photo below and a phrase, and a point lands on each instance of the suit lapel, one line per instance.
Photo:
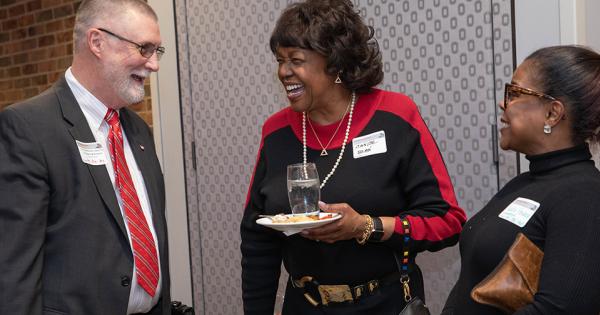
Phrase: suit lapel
(80, 130)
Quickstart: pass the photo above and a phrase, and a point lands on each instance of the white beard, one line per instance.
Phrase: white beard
(124, 85)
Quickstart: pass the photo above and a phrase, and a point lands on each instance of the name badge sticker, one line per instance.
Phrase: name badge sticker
(369, 145)
(91, 153)
(519, 211)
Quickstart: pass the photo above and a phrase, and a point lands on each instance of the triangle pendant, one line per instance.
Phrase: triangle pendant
(324, 152)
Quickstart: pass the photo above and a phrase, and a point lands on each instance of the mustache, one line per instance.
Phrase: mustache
(142, 73)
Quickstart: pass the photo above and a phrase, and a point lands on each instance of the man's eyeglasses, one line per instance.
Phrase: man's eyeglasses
(146, 50)
(512, 91)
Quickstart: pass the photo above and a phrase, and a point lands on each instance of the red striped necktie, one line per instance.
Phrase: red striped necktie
(144, 249)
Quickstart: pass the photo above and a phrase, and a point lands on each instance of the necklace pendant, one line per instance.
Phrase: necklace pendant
(324, 152)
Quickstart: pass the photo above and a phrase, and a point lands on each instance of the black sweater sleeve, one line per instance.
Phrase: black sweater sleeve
(433, 212)
(261, 253)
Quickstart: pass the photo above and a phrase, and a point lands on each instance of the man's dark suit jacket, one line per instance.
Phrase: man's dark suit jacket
(63, 242)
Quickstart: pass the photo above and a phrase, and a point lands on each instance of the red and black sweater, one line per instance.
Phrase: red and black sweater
(409, 180)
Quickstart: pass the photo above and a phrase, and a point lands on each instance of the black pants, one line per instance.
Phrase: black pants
(388, 300)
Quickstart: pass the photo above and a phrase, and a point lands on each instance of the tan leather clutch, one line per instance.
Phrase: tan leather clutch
(514, 282)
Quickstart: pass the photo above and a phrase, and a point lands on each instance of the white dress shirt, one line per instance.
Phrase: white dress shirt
(94, 112)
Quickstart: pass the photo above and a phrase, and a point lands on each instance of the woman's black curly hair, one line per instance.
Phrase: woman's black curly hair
(334, 29)
(572, 75)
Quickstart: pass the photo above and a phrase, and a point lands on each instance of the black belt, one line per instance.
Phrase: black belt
(341, 293)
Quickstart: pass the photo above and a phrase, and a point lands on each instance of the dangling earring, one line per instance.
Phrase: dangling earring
(547, 129)
(337, 79)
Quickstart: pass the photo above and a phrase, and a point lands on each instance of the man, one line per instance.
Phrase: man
(82, 224)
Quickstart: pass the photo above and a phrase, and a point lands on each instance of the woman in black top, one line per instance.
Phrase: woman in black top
(551, 111)
(377, 161)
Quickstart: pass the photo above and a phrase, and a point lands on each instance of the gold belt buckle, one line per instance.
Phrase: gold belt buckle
(302, 283)
(335, 293)
(372, 286)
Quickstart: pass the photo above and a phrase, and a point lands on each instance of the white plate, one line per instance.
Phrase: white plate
(295, 227)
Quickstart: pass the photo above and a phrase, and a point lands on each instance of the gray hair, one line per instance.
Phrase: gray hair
(90, 12)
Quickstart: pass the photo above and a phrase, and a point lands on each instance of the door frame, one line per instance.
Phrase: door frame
(168, 137)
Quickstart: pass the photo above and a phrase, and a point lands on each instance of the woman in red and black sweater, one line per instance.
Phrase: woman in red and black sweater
(382, 166)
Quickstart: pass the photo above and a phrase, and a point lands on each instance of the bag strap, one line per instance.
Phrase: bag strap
(403, 262)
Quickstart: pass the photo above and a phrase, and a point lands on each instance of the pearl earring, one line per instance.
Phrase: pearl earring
(547, 129)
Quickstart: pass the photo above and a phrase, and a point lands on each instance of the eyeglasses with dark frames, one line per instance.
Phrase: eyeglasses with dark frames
(146, 50)
(512, 91)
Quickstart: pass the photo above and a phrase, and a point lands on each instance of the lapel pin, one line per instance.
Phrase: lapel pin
(142, 147)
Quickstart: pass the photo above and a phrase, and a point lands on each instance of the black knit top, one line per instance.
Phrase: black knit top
(566, 226)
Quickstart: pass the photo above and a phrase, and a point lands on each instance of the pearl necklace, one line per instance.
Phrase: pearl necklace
(337, 162)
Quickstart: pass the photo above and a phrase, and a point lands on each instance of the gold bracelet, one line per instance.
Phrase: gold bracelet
(367, 232)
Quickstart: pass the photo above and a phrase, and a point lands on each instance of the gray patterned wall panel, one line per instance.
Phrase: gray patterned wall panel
(443, 55)
(228, 88)
(503, 69)
(440, 52)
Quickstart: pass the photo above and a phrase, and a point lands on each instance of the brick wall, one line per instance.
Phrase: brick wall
(36, 47)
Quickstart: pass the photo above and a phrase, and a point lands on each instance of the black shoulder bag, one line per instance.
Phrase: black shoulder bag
(178, 308)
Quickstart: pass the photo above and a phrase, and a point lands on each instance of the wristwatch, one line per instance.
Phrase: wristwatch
(377, 232)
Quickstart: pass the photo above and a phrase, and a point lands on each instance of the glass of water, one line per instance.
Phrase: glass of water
(303, 188)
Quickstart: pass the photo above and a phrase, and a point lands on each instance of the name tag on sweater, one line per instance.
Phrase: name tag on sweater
(519, 211)
(369, 145)
(91, 153)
